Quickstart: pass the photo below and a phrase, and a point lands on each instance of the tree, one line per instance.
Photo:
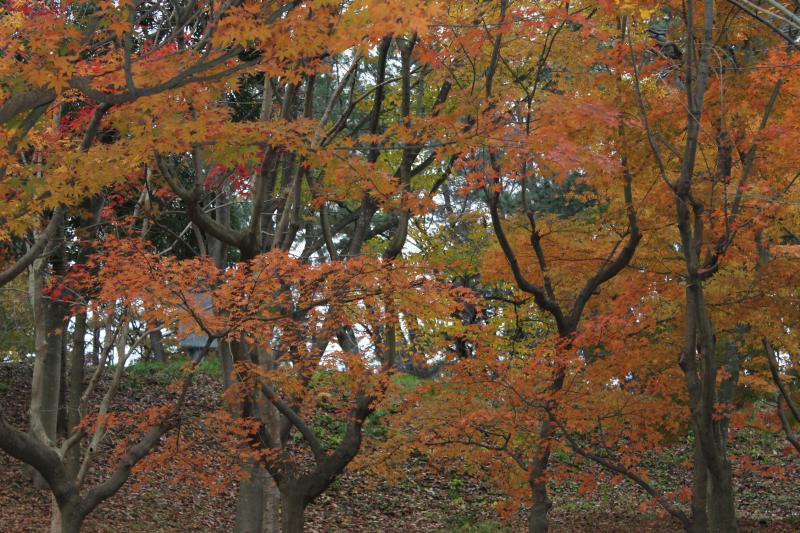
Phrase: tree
(495, 417)
(498, 196)
(517, 161)
(713, 211)
(64, 67)
(317, 173)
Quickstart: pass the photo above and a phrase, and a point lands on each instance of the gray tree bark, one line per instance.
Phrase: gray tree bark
(250, 504)
(292, 513)
(76, 375)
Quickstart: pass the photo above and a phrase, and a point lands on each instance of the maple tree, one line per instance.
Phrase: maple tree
(301, 157)
(65, 66)
(715, 212)
(550, 267)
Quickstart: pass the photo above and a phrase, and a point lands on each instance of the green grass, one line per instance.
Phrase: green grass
(169, 371)
(461, 524)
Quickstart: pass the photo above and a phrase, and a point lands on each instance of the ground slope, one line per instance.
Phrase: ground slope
(423, 501)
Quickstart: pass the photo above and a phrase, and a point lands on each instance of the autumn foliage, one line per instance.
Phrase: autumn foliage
(575, 224)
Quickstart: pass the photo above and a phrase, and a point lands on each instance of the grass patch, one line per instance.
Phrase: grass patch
(462, 524)
(169, 371)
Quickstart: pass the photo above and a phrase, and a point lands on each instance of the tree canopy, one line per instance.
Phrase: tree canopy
(573, 224)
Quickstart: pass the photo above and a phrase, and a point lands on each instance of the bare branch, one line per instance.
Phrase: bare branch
(36, 249)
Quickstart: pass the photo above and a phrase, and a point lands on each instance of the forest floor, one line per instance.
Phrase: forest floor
(423, 501)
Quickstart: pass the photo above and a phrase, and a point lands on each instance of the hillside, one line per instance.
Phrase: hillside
(425, 501)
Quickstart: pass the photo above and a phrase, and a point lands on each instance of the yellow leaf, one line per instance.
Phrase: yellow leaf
(119, 27)
(646, 13)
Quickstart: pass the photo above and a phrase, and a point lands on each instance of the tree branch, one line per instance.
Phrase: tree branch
(633, 476)
(36, 249)
(776, 377)
(40, 456)
(539, 294)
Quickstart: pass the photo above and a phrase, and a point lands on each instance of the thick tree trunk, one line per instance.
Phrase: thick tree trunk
(71, 527)
(46, 383)
(710, 429)
(55, 516)
(251, 498)
(293, 508)
(540, 502)
(722, 503)
(250, 504)
(272, 506)
(700, 491)
(713, 478)
(46, 386)
(722, 498)
(272, 422)
(70, 521)
(713, 475)
(65, 518)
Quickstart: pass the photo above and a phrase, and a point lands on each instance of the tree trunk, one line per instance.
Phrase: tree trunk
(46, 386)
(157, 346)
(711, 457)
(293, 510)
(722, 498)
(70, 524)
(537, 518)
(272, 506)
(62, 423)
(71, 527)
(250, 501)
(540, 502)
(55, 516)
(711, 430)
(712, 470)
(540, 505)
(96, 345)
(721, 503)
(272, 421)
(66, 518)
(700, 491)
(76, 371)
(46, 382)
(226, 362)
